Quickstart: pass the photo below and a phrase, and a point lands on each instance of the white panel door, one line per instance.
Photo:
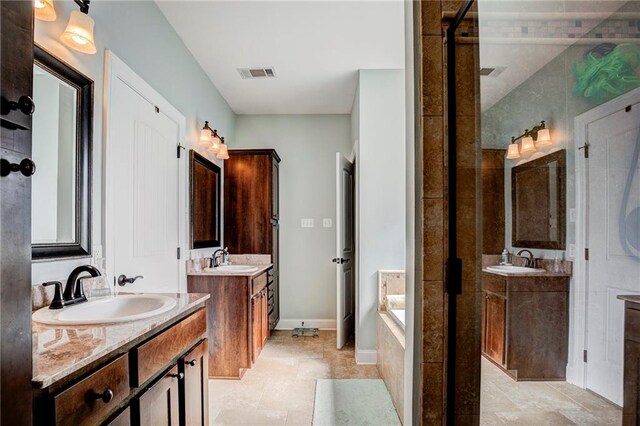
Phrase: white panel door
(144, 193)
(613, 240)
(345, 250)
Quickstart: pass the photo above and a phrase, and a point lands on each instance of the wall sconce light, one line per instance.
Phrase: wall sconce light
(223, 152)
(44, 10)
(530, 140)
(215, 143)
(79, 32)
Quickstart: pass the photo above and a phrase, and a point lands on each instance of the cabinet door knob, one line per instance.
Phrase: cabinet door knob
(27, 167)
(25, 105)
(178, 376)
(191, 363)
(105, 396)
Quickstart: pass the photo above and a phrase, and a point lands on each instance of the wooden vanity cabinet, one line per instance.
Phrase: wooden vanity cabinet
(239, 323)
(631, 388)
(525, 324)
(252, 211)
(150, 381)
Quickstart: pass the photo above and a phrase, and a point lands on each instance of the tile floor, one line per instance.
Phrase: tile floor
(280, 388)
(504, 401)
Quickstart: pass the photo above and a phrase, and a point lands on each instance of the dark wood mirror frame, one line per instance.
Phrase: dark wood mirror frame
(81, 247)
(533, 203)
(205, 182)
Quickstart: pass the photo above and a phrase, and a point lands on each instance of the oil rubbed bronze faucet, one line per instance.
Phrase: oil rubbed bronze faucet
(528, 260)
(73, 290)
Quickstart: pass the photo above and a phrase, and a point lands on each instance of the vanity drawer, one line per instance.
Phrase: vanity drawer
(158, 352)
(494, 284)
(76, 406)
(258, 283)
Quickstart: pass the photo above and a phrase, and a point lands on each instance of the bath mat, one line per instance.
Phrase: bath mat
(353, 402)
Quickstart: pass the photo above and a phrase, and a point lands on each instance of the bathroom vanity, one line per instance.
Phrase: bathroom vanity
(145, 372)
(239, 311)
(525, 323)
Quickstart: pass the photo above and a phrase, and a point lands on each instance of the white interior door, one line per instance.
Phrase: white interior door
(613, 241)
(345, 249)
(143, 198)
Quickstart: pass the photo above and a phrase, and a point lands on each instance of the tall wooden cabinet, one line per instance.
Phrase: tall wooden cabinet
(252, 213)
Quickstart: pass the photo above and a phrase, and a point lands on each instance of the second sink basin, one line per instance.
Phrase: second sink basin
(515, 270)
(233, 269)
(122, 308)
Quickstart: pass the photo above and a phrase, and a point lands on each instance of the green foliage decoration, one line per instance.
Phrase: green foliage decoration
(607, 71)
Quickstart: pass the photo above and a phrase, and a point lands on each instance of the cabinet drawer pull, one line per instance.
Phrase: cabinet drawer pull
(191, 363)
(105, 396)
(178, 376)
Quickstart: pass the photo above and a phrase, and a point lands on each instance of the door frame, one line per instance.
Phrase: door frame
(115, 68)
(576, 367)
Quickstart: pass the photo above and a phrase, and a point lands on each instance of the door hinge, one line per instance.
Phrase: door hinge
(586, 254)
(178, 150)
(586, 149)
(178, 253)
(584, 355)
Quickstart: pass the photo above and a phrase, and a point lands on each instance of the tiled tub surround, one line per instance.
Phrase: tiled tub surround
(390, 334)
(63, 351)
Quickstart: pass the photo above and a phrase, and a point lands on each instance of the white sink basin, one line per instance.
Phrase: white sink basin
(233, 269)
(515, 270)
(122, 308)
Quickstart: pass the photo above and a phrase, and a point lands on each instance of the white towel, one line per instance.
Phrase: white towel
(394, 301)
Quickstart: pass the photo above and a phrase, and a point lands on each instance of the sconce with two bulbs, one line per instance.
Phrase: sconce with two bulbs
(214, 143)
(79, 32)
(530, 141)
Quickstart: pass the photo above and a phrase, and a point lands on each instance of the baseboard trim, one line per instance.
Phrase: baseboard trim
(322, 324)
(366, 356)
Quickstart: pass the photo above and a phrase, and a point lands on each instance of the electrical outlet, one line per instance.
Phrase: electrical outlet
(327, 222)
(306, 223)
(97, 252)
(572, 250)
(572, 215)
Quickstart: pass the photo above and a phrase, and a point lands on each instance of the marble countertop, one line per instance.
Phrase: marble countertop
(533, 274)
(59, 351)
(630, 298)
(261, 268)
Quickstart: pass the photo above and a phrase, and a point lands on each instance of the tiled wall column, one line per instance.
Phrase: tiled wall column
(434, 214)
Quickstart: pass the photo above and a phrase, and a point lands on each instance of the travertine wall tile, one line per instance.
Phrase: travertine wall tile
(431, 19)
(433, 240)
(433, 157)
(433, 393)
(433, 321)
(432, 76)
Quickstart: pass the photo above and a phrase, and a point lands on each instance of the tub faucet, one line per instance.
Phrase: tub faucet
(529, 259)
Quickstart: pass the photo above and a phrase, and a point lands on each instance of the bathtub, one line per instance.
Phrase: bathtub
(398, 316)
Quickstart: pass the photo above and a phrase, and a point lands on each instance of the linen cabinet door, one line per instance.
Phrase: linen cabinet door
(196, 395)
(160, 404)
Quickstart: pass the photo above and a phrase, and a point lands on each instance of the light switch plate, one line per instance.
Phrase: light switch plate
(327, 222)
(97, 252)
(306, 223)
(572, 250)
(572, 215)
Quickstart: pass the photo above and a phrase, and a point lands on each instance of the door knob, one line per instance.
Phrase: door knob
(122, 279)
(25, 105)
(105, 396)
(27, 167)
(191, 363)
(178, 376)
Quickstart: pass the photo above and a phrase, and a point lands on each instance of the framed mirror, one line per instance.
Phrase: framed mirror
(206, 190)
(62, 146)
(538, 202)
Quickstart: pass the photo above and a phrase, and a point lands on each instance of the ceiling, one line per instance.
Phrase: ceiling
(315, 47)
(521, 57)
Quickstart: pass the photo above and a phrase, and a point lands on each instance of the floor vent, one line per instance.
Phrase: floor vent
(247, 73)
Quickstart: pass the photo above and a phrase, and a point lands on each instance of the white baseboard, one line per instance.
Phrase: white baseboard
(366, 356)
(322, 324)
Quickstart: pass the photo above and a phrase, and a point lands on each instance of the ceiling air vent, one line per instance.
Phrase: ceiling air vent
(491, 71)
(247, 73)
